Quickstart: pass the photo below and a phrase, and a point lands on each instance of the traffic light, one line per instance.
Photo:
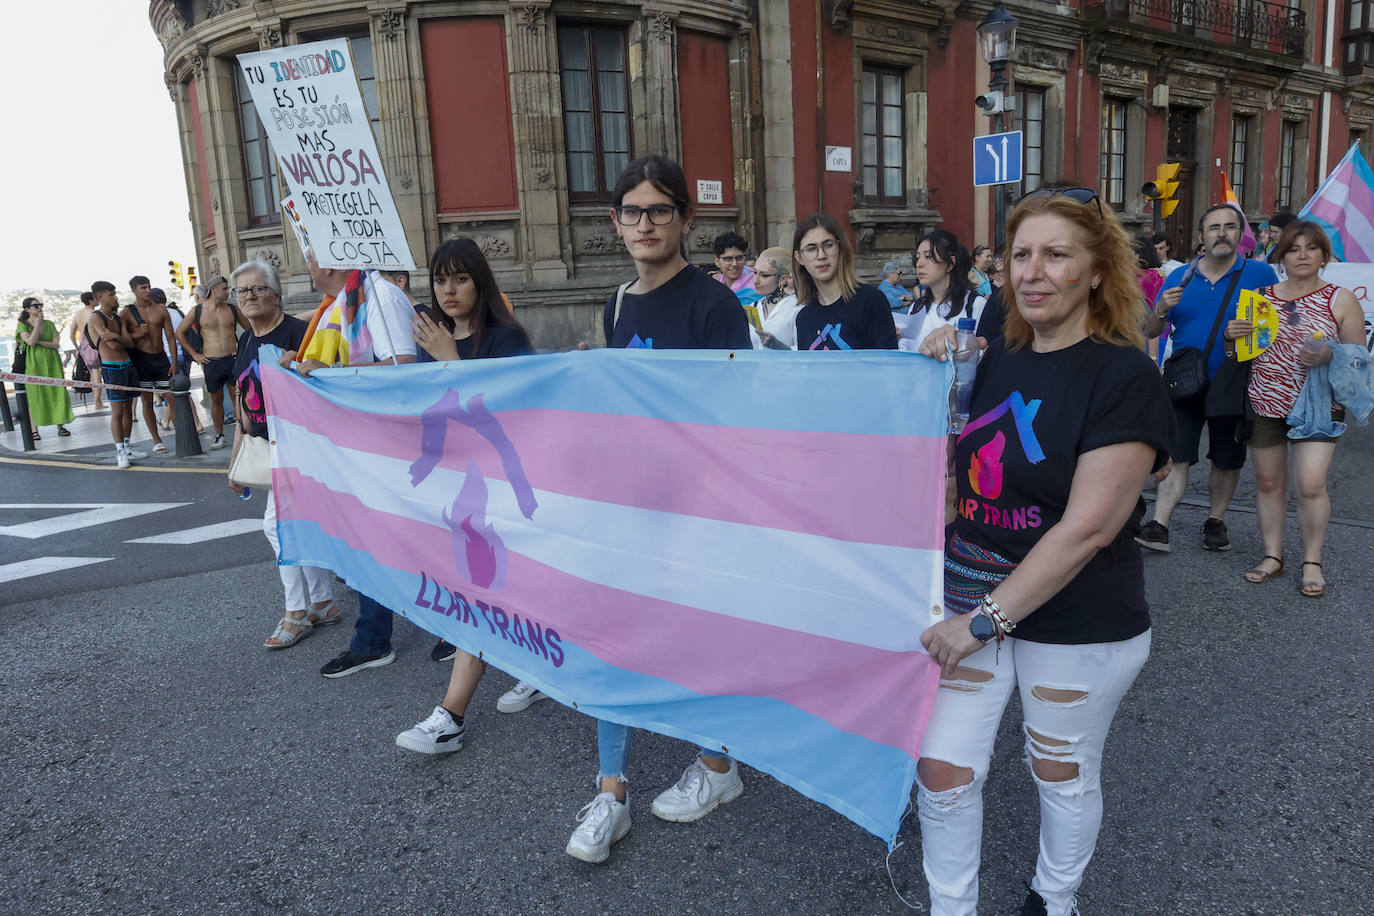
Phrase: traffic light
(190, 279)
(1163, 189)
(174, 271)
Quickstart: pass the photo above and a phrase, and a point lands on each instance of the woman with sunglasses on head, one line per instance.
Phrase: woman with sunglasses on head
(837, 313)
(1043, 579)
(36, 338)
(1310, 307)
(467, 320)
(942, 269)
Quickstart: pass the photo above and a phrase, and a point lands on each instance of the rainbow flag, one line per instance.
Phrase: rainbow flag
(1344, 207)
(340, 325)
(1247, 238)
(740, 550)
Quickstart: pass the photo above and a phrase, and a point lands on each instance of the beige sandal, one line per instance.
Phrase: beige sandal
(325, 616)
(285, 638)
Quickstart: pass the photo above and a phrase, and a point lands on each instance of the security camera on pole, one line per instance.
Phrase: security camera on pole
(1001, 151)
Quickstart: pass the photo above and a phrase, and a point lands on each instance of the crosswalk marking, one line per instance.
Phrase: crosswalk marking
(41, 566)
(93, 514)
(203, 533)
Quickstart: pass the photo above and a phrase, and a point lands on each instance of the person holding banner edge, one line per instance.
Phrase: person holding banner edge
(1045, 584)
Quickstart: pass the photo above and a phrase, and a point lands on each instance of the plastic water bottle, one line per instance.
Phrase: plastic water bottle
(1315, 343)
(246, 494)
(966, 356)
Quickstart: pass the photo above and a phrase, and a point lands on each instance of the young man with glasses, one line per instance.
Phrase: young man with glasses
(731, 251)
(216, 321)
(1190, 300)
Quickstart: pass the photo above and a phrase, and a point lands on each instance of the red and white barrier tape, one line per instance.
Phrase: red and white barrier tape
(65, 383)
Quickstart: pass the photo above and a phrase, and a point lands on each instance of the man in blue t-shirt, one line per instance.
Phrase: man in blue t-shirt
(1190, 299)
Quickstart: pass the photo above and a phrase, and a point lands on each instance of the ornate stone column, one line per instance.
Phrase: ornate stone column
(535, 108)
(653, 81)
(779, 149)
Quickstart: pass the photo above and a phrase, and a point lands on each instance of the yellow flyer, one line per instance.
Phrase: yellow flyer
(1260, 312)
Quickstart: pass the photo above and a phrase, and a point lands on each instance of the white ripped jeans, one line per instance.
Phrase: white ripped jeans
(295, 579)
(1068, 728)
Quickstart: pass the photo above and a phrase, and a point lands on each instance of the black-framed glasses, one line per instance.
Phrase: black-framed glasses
(238, 292)
(730, 258)
(659, 214)
(829, 246)
(1082, 196)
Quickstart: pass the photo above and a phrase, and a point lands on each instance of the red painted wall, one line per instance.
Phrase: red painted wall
(840, 120)
(952, 120)
(704, 99)
(202, 177)
(469, 114)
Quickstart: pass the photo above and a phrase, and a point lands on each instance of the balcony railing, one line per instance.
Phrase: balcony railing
(1274, 27)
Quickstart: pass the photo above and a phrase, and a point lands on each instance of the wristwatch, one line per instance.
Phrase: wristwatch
(981, 627)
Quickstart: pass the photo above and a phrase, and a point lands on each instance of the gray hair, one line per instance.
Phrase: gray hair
(201, 291)
(891, 267)
(268, 272)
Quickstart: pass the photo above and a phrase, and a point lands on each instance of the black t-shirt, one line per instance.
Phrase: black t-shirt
(1032, 415)
(287, 335)
(861, 322)
(500, 341)
(689, 312)
(994, 317)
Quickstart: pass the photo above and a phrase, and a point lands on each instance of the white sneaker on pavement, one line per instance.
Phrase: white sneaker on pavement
(519, 698)
(135, 452)
(121, 459)
(438, 734)
(699, 792)
(217, 442)
(604, 822)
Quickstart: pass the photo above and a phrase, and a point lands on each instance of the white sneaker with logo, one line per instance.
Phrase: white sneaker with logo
(519, 698)
(699, 792)
(604, 822)
(135, 452)
(121, 458)
(438, 734)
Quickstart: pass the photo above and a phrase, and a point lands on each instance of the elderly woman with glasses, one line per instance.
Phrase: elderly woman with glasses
(1311, 309)
(899, 298)
(1044, 584)
(255, 288)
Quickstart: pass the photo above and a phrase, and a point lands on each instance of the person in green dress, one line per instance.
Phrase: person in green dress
(49, 405)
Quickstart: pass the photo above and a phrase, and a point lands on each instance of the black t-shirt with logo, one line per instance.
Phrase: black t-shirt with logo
(287, 335)
(1032, 415)
(861, 322)
(689, 312)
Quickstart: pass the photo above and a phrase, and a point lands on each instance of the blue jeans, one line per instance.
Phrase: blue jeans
(372, 634)
(613, 748)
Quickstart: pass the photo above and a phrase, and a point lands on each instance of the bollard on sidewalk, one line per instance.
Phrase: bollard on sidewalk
(5, 417)
(184, 418)
(21, 400)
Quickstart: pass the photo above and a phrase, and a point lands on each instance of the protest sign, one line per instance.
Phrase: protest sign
(293, 219)
(308, 100)
(1359, 279)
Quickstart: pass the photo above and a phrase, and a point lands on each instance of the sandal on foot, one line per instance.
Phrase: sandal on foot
(285, 638)
(1310, 588)
(325, 616)
(1257, 576)
(63, 431)
(36, 437)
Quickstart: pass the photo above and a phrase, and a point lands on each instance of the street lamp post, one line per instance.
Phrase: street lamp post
(997, 42)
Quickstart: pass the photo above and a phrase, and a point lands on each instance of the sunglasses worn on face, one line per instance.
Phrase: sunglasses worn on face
(1082, 196)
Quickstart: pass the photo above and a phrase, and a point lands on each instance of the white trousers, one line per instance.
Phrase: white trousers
(1069, 728)
(303, 584)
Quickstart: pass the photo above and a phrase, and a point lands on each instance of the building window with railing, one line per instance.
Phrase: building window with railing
(259, 165)
(1288, 150)
(884, 130)
(596, 108)
(1240, 148)
(1113, 170)
(1029, 118)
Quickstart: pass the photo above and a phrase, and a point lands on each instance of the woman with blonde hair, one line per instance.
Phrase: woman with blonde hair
(778, 308)
(838, 312)
(1043, 580)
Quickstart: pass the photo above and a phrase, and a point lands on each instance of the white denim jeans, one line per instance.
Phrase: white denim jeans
(1070, 728)
(297, 580)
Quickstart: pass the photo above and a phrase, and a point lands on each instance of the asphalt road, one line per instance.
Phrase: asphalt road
(160, 761)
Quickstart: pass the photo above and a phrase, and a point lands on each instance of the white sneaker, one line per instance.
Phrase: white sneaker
(438, 734)
(604, 822)
(519, 698)
(217, 442)
(121, 459)
(699, 792)
(135, 452)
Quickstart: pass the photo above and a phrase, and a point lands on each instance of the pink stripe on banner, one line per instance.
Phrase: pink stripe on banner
(850, 686)
(1362, 202)
(790, 494)
(1334, 213)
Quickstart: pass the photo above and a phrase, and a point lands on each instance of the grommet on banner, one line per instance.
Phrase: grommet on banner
(937, 610)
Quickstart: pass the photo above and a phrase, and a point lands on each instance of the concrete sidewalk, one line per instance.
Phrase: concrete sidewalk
(90, 441)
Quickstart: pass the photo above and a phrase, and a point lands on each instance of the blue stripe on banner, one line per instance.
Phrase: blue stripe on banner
(1337, 244)
(776, 738)
(840, 392)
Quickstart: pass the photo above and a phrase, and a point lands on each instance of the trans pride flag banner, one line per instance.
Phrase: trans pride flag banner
(1344, 207)
(740, 550)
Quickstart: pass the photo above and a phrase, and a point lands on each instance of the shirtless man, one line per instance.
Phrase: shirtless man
(78, 327)
(218, 321)
(116, 368)
(148, 325)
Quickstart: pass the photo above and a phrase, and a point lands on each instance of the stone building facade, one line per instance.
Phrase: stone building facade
(505, 120)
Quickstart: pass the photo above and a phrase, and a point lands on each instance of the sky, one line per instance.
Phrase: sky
(95, 189)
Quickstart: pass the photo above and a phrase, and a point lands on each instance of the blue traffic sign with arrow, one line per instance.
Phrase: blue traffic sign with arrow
(997, 159)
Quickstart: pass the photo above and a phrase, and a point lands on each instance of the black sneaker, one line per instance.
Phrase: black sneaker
(1035, 906)
(1214, 535)
(442, 652)
(348, 662)
(1154, 536)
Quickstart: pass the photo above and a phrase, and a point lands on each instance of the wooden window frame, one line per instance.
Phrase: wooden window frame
(1021, 117)
(270, 179)
(604, 182)
(1240, 178)
(879, 72)
(1109, 153)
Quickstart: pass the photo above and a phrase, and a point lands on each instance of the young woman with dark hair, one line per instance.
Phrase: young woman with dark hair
(838, 312)
(942, 267)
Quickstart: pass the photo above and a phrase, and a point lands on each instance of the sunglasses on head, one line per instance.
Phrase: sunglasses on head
(1082, 196)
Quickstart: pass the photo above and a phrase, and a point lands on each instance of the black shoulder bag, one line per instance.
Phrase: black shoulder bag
(1185, 372)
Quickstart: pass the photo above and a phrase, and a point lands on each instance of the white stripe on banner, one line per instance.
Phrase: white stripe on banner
(752, 573)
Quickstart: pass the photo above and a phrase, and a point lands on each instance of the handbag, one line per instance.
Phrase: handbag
(1185, 373)
(20, 361)
(252, 465)
(81, 373)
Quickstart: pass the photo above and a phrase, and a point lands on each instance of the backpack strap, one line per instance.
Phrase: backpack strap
(195, 317)
(619, 299)
(137, 317)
